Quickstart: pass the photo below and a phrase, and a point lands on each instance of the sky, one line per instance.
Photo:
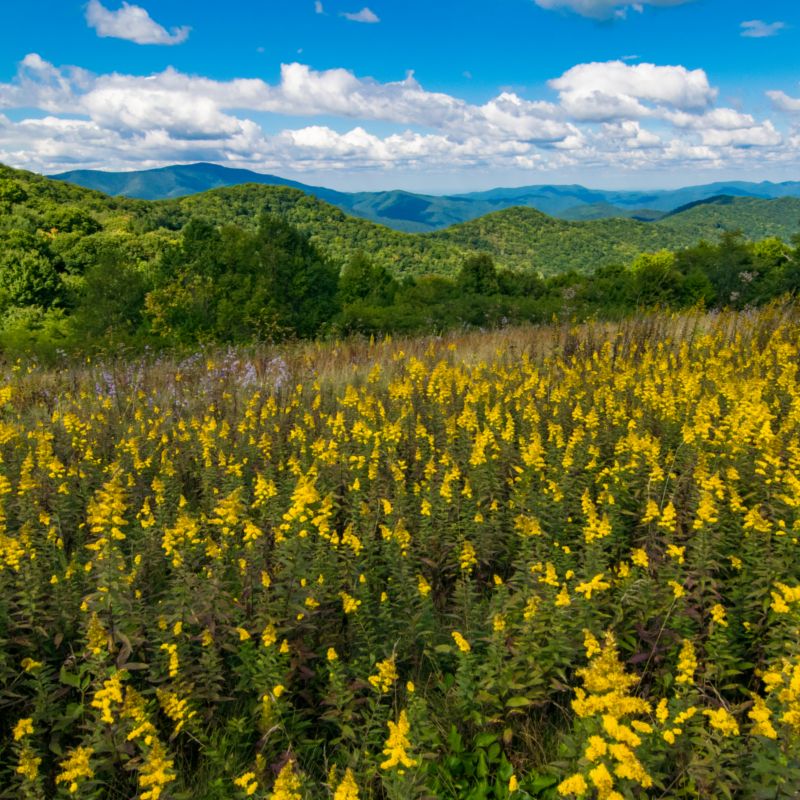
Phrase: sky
(434, 96)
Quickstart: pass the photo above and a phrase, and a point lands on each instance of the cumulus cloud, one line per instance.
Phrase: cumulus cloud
(601, 114)
(613, 90)
(132, 23)
(365, 15)
(758, 29)
(604, 9)
(783, 102)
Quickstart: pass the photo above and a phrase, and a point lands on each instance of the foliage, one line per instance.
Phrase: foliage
(254, 263)
(541, 563)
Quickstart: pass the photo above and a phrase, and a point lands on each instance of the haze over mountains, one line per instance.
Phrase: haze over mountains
(420, 213)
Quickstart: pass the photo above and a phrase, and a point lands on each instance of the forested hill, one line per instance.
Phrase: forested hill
(517, 238)
(420, 213)
(80, 269)
(523, 238)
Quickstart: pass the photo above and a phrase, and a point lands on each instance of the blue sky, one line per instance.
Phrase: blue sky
(431, 96)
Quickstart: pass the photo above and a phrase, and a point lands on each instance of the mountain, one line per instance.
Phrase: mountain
(181, 180)
(420, 213)
(523, 238)
(518, 237)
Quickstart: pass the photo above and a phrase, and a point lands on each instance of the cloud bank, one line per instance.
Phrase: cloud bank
(611, 114)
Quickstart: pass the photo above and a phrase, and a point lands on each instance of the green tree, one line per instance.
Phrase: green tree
(28, 278)
(11, 193)
(478, 275)
(363, 280)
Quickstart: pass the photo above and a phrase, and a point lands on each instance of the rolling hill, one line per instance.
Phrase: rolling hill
(518, 237)
(419, 213)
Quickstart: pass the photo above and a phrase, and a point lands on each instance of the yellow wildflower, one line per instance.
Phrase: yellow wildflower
(348, 788)
(397, 744)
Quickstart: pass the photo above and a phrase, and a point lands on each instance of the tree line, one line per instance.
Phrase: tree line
(67, 281)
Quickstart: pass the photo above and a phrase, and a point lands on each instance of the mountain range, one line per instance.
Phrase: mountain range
(519, 237)
(422, 213)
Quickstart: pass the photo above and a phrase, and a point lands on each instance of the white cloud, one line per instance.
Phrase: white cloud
(630, 135)
(365, 15)
(758, 29)
(763, 135)
(614, 90)
(318, 7)
(607, 115)
(132, 23)
(783, 102)
(604, 9)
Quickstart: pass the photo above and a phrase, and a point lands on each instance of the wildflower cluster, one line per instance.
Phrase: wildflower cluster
(447, 567)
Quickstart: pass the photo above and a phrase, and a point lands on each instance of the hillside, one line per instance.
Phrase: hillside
(518, 238)
(419, 213)
(524, 238)
(256, 263)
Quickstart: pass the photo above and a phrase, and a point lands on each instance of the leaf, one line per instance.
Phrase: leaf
(518, 702)
(484, 740)
(72, 679)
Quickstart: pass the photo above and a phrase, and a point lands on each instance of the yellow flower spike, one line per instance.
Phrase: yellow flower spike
(269, 635)
(718, 615)
(677, 553)
(349, 603)
(348, 788)
(677, 589)
(721, 720)
(397, 744)
(384, 679)
(590, 643)
(596, 748)
(563, 598)
(596, 584)
(24, 727)
(462, 644)
(602, 780)
(287, 784)
(247, 783)
(468, 557)
(76, 768)
(761, 717)
(575, 786)
(687, 663)
(155, 773)
(28, 765)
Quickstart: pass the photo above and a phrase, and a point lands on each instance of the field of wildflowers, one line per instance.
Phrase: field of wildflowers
(532, 563)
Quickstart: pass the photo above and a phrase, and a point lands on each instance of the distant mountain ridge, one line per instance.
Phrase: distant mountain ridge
(421, 213)
(519, 238)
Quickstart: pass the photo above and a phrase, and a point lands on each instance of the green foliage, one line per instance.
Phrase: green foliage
(478, 275)
(28, 276)
(11, 192)
(234, 285)
(362, 280)
(258, 262)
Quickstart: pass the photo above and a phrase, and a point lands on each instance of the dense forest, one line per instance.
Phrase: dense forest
(79, 269)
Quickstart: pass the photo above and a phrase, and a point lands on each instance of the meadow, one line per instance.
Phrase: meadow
(539, 562)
